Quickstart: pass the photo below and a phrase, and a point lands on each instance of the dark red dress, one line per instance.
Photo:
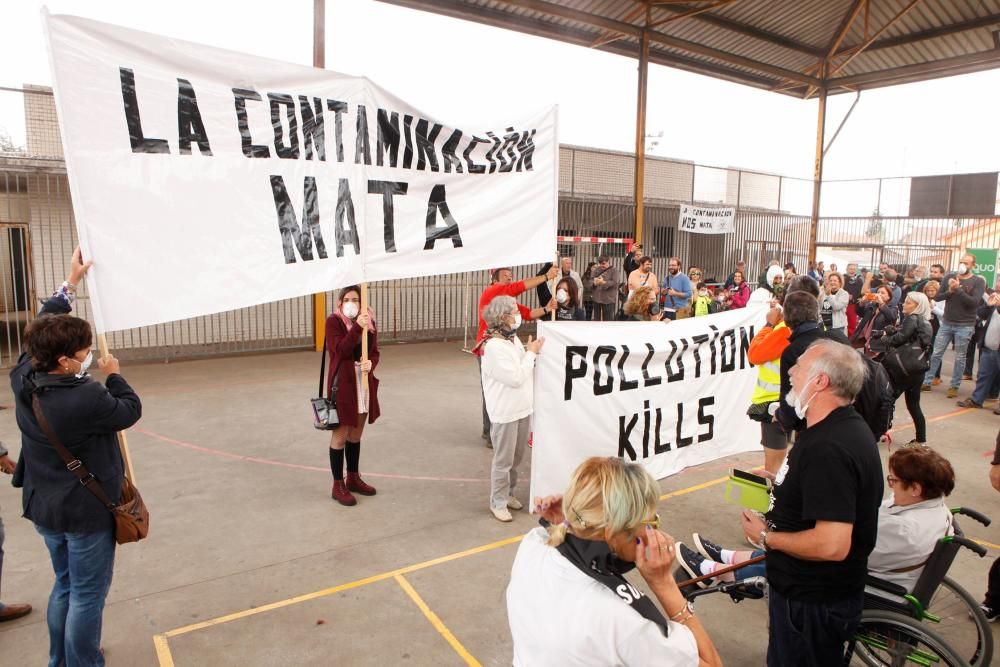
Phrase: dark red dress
(343, 344)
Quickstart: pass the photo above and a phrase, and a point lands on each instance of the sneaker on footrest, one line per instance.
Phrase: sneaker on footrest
(690, 561)
(707, 548)
(990, 613)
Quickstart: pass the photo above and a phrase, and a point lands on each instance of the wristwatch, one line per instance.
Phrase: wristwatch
(763, 539)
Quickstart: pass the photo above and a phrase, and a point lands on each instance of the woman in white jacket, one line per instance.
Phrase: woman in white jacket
(834, 302)
(508, 377)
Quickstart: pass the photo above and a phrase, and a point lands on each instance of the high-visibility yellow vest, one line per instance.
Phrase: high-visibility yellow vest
(768, 387)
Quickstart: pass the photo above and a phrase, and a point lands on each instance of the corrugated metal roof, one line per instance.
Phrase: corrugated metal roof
(772, 44)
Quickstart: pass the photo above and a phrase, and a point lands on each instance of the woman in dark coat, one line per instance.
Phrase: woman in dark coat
(343, 343)
(85, 415)
(915, 328)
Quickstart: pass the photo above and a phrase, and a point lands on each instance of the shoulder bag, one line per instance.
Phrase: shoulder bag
(907, 361)
(325, 416)
(130, 514)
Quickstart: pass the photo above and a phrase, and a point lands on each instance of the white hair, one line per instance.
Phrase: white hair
(497, 309)
(842, 364)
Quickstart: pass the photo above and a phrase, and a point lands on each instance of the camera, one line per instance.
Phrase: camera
(654, 309)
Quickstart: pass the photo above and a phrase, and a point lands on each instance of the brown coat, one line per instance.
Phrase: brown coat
(341, 344)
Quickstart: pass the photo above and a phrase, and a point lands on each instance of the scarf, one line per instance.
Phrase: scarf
(496, 332)
(594, 558)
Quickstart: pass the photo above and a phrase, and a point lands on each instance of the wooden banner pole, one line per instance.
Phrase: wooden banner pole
(102, 348)
(364, 336)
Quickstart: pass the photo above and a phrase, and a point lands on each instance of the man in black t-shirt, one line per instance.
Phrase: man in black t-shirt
(823, 518)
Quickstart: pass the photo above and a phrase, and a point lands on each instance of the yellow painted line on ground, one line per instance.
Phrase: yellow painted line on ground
(436, 622)
(988, 545)
(692, 489)
(947, 415)
(163, 651)
(342, 587)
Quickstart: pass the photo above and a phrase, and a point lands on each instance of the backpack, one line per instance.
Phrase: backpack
(876, 401)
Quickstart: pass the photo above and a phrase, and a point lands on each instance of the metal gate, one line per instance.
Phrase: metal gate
(16, 305)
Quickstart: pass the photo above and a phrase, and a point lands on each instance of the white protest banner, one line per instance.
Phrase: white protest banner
(205, 180)
(666, 395)
(706, 220)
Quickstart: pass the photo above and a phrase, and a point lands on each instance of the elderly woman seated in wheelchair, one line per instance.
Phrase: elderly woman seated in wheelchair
(918, 539)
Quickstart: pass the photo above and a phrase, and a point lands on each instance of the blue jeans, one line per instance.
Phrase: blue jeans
(810, 633)
(83, 565)
(755, 570)
(961, 335)
(989, 371)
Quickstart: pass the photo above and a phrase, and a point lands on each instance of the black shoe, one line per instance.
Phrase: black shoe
(707, 548)
(691, 562)
(990, 613)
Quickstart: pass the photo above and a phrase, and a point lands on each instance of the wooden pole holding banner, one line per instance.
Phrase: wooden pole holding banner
(364, 336)
(102, 348)
(319, 60)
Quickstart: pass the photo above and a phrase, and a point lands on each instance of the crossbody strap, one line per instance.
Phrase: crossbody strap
(73, 464)
(322, 372)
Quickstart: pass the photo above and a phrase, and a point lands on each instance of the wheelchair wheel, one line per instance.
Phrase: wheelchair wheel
(885, 638)
(962, 624)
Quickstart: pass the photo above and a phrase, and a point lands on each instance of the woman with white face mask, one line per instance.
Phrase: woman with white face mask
(568, 306)
(508, 374)
(355, 406)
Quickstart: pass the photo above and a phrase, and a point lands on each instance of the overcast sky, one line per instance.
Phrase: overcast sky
(462, 70)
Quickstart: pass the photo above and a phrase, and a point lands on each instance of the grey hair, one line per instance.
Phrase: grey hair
(842, 364)
(800, 307)
(497, 309)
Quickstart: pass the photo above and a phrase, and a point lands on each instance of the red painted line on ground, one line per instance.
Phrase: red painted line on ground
(294, 466)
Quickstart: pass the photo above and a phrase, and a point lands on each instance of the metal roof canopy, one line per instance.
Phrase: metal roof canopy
(803, 48)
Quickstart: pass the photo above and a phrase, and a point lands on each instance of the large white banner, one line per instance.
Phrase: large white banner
(205, 180)
(707, 219)
(666, 395)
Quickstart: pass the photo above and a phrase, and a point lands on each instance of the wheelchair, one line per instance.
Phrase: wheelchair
(938, 623)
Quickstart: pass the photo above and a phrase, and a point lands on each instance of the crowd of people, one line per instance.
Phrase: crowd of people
(835, 353)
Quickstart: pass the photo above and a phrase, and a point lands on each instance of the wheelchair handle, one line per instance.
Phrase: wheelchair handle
(973, 514)
(976, 548)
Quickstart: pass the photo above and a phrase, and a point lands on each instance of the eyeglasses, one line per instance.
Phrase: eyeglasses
(696, 273)
(890, 480)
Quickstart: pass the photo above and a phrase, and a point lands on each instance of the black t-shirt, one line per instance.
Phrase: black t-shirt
(833, 473)
(853, 286)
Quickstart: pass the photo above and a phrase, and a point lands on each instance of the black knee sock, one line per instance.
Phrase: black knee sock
(337, 463)
(353, 451)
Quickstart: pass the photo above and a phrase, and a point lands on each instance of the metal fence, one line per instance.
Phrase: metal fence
(37, 235)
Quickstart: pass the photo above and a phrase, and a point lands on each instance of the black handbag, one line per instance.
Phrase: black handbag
(905, 362)
(325, 416)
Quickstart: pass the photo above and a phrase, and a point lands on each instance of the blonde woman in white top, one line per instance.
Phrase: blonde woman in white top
(568, 602)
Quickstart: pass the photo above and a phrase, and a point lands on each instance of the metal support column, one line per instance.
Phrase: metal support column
(319, 60)
(640, 131)
(817, 172)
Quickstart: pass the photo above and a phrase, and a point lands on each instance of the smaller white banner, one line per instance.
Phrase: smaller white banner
(705, 220)
(666, 395)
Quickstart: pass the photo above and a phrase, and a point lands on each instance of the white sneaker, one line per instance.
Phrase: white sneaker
(502, 514)
(514, 504)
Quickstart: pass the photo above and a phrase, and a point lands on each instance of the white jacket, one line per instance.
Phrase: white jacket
(508, 380)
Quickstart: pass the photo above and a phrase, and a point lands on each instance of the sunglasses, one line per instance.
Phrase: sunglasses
(696, 273)
(653, 523)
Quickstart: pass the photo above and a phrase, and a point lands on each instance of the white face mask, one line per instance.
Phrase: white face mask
(350, 309)
(962, 269)
(85, 364)
(562, 296)
(517, 322)
(703, 292)
(794, 400)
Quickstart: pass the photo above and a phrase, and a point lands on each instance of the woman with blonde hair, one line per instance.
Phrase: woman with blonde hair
(643, 306)
(567, 585)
